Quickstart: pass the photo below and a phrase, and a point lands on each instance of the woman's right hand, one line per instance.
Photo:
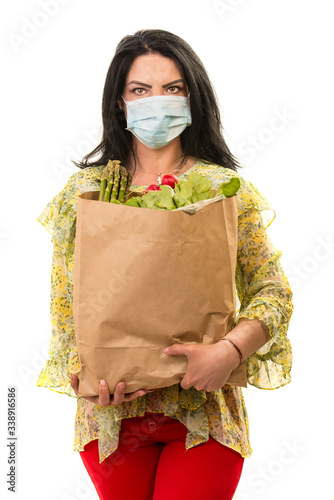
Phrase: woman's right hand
(105, 398)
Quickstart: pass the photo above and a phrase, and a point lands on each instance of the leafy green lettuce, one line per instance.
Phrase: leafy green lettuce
(187, 192)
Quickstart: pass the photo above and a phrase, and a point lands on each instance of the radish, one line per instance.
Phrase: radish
(153, 187)
(169, 180)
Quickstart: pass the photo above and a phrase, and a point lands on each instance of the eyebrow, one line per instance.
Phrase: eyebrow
(150, 86)
(172, 83)
(140, 83)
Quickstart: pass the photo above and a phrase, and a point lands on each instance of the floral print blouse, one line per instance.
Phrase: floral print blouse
(263, 292)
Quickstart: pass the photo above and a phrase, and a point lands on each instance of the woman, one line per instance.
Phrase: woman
(160, 115)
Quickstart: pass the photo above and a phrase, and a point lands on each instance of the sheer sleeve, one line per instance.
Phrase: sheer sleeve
(59, 218)
(264, 291)
(63, 356)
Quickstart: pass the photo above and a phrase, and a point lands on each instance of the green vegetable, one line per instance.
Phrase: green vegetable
(194, 189)
(132, 202)
(180, 202)
(115, 182)
(201, 187)
(162, 199)
(229, 188)
(104, 177)
(110, 182)
(183, 193)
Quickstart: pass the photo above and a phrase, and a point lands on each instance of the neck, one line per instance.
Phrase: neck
(155, 160)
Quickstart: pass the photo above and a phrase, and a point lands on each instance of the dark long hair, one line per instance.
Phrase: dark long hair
(203, 139)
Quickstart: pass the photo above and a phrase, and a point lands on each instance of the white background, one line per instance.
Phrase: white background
(265, 58)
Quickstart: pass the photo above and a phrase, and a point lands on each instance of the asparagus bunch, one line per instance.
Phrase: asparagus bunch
(115, 182)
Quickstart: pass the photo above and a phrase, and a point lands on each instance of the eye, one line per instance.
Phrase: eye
(174, 89)
(138, 91)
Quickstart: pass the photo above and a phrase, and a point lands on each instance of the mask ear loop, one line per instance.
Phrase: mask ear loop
(188, 99)
(123, 109)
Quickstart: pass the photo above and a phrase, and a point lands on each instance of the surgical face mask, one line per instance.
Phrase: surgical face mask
(157, 120)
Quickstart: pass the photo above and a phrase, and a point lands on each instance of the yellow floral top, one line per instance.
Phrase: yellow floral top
(263, 291)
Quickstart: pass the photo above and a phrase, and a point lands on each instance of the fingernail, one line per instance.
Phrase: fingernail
(166, 350)
(121, 385)
(103, 383)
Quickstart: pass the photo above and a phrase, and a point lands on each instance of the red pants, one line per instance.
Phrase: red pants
(151, 463)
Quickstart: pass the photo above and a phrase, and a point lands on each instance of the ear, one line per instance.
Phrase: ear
(120, 104)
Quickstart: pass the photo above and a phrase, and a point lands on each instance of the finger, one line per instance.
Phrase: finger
(135, 395)
(104, 395)
(185, 383)
(74, 382)
(119, 393)
(178, 350)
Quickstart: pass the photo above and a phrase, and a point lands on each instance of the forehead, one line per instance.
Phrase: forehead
(151, 68)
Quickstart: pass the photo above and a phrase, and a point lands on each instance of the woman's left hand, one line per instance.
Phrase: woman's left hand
(209, 365)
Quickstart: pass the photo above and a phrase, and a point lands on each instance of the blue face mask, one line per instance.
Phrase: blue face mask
(157, 120)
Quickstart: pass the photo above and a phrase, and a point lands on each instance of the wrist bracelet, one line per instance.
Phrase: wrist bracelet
(237, 348)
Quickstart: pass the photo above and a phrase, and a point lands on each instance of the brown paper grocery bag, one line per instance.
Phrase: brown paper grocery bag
(145, 279)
